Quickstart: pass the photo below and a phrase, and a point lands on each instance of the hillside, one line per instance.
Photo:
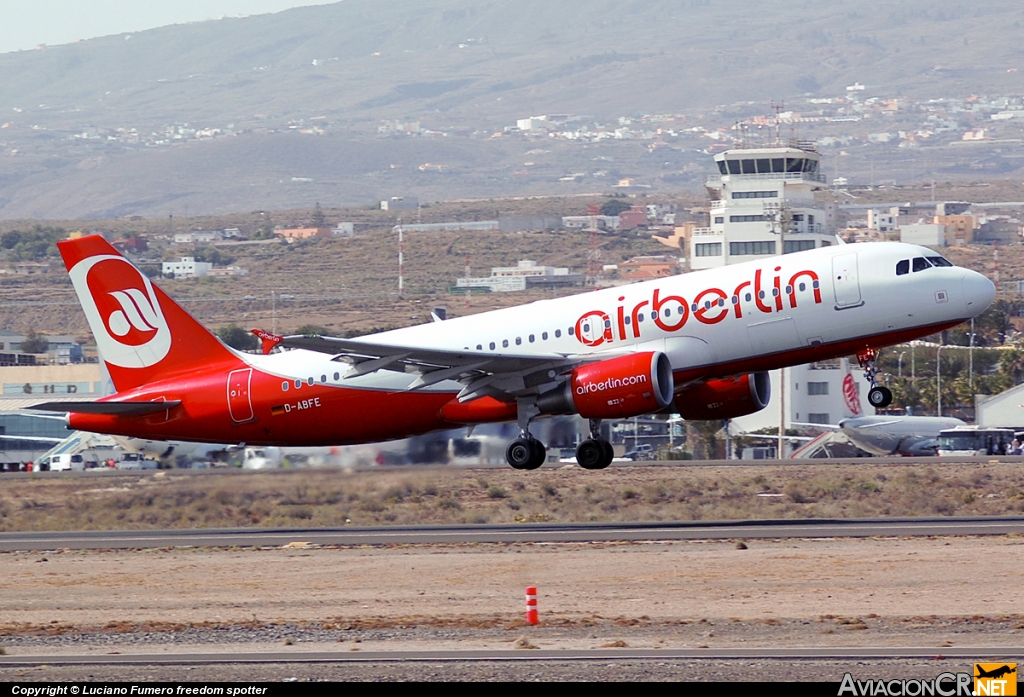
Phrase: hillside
(284, 110)
(348, 285)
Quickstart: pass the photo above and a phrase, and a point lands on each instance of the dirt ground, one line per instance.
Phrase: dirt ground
(832, 592)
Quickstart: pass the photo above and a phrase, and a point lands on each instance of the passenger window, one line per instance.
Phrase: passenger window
(337, 376)
(298, 384)
(920, 264)
(572, 331)
(504, 343)
(323, 378)
(519, 341)
(479, 347)
(903, 267)
(531, 338)
(492, 345)
(544, 336)
(284, 386)
(310, 381)
(558, 333)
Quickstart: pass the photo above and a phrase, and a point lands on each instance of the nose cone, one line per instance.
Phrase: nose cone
(979, 292)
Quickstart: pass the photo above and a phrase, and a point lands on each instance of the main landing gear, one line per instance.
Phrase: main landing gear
(595, 453)
(878, 396)
(528, 453)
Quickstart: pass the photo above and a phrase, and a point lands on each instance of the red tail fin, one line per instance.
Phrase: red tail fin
(267, 340)
(142, 334)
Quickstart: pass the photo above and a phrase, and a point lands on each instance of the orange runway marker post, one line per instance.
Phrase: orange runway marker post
(531, 605)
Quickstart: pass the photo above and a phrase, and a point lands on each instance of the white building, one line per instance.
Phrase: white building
(882, 221)
(400, 203)
(188, 267)
(1005, 409)
(926, 234)
(198, 236)
(759, 194)
(507, 279)
(344, 230)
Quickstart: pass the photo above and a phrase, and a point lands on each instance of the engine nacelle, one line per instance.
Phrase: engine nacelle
(617, 388)
(724, 399)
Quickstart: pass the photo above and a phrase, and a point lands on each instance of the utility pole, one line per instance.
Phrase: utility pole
(779, 221)
(401, 260)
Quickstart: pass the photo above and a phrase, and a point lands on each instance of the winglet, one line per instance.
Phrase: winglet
(267, 340)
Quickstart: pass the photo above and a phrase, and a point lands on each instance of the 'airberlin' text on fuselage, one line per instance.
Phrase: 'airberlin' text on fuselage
(610, 384)
(670, 313)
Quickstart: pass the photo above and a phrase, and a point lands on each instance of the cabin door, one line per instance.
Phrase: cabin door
(239, 397)
(846, 281)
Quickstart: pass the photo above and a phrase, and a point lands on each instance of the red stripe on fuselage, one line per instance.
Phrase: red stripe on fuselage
(320, 414)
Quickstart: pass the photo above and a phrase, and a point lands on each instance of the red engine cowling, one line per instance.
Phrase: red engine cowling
(617, 388)
(724, 399)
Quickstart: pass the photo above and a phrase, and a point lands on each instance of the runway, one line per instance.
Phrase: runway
(805, 599)
(518, 534)
(852, 653)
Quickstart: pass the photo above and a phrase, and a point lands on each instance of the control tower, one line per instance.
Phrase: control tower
(760, 198)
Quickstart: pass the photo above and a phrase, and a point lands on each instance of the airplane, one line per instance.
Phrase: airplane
(995, 672)
(697, 344)
(910, 436)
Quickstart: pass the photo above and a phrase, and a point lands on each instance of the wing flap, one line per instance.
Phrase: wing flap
(109, 408)
(481, 372)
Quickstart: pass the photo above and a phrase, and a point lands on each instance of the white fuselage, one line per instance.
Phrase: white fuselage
(765, 313)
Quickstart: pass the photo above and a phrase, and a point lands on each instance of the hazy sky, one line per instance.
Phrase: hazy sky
(25, 24)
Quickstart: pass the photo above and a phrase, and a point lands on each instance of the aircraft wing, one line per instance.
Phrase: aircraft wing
(482, 373)
(39, 439)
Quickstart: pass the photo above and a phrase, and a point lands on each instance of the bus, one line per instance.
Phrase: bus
(975, 440)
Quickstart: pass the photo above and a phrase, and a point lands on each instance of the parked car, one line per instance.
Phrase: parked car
(640, 452)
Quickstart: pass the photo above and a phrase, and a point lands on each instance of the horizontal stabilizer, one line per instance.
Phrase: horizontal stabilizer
(109, 408)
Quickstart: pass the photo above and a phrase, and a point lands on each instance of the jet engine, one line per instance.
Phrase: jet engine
(616, 388)
(724, 399)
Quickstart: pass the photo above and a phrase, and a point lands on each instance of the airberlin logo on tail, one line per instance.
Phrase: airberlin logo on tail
(850, 395)
(123, 312)
(670, 313)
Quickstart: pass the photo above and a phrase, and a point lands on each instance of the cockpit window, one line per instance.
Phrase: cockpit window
(920, 264)
(940, 261)
(903, 267)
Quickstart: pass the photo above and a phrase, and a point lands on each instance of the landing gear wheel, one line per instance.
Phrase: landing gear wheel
(525, 453)
(880, 397)
(594, 454)
(540, 454)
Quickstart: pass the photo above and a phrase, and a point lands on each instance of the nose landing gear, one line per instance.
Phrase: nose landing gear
(878, 396)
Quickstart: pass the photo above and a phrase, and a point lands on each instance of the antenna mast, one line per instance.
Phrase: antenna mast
(777, 108)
